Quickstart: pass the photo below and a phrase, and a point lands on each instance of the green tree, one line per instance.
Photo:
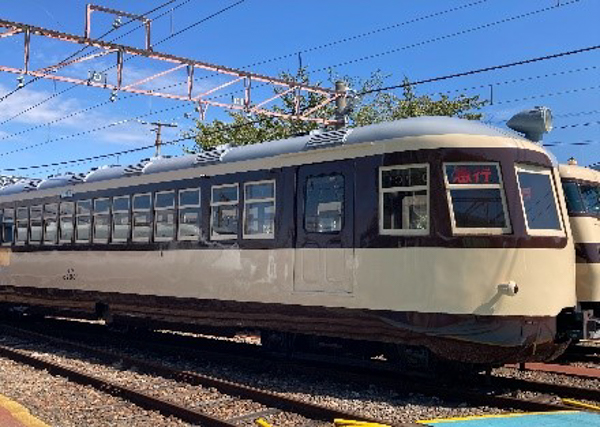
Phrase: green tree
(369, 106)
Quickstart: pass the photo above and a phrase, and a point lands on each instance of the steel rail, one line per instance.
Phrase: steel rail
(273, 400)
(542, 387)
(141, 399)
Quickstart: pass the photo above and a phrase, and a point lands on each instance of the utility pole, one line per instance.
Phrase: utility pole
(341, 103)
(158, 129)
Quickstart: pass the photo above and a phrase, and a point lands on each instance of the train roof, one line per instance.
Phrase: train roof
(410, 127)
(579, 173)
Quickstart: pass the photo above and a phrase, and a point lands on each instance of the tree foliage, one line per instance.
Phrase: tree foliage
(369, 106)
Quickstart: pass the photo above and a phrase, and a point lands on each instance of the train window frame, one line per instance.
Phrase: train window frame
(161, 210)
(183, 207)
(18, 239)
(412, 188)
(149, 211)
(45, 217)
(213, 205)
(549, 172)
(342, 209)
(62, 216)
(41, 223)
(497, 186)
(82, 215)
(12, 241)
(119, 212)
(247, 201)
(107, 214)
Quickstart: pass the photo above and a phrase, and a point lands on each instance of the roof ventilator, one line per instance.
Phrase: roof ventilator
(326, 139)
(137, 168)
(212, 154)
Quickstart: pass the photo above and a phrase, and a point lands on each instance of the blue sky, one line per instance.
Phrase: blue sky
(479, 34)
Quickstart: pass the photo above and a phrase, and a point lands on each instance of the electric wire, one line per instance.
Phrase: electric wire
(92, 130)
(520, 80)
(83, 49)
(266, 61)
(351, 38)
(69, 88)
(486, 69)
(39, 144)
(451, 35)
(132, 150)
(547, 57)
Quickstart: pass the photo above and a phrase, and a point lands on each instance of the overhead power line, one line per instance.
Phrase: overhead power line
(88, 131)
(418, 82)
(83, 49)
(484, 70)
(545, 95)
(69, 88)
(451, 35)
(522, 79)
(310, 49)
(133, 150)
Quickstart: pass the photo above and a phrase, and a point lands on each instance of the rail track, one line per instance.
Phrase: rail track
(274, 402)
(494, 395)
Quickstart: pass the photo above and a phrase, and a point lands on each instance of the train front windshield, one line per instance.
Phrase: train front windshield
(582, 198)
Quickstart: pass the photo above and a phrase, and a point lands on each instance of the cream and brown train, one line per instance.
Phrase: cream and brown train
(581, 186)
(432, 233)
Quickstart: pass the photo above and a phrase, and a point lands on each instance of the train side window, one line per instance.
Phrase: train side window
(573, 197)
(121, 223)
(590, 195)
(224, 211)
(259, 210)
(8, 225)
(66, 211)
(22, 225)
(35, 224)
(101, 220)
(477, 200)
(50, 223)
(189, 214)
(538, 198)
(142, 217)
(404, 200)
(164, 216)
(324, 204)
(83, 220)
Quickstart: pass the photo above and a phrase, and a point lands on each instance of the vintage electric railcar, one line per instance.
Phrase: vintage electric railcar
(582, 191)
(433, 232)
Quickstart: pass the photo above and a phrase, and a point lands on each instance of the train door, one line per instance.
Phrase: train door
(325, 255)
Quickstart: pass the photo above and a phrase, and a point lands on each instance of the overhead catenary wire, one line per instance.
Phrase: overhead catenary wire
(69, 88)
(83, 49)
(92, 130)
(414, 83)
(266, 61)
(497, 67)
(521, 79)
(451, 35)
(360, 35)
(213, 15)
(132, 150)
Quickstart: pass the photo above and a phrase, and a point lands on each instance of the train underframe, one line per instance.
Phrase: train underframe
(408, 339)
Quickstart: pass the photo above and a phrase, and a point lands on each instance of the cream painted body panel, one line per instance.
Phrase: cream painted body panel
(585, 229)
(588, 282)
(579, 173)
(438, 280)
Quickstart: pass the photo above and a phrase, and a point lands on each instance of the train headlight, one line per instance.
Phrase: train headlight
(510, 288)
(533, 123)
